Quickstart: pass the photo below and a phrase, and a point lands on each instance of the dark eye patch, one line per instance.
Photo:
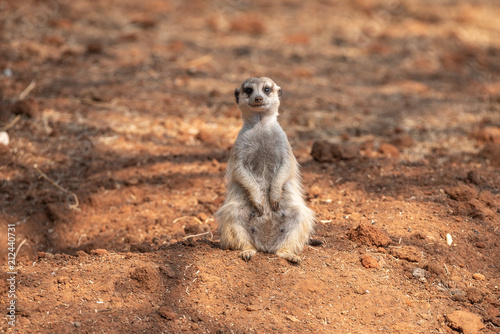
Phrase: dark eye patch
(248, 90)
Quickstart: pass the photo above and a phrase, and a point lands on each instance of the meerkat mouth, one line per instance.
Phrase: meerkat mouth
(258, 105)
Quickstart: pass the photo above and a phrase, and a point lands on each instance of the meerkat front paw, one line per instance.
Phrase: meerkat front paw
(247, 254)
(258, 206)
(293, 258)
(274, 200)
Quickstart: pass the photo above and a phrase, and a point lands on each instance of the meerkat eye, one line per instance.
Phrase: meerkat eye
(267, 89)
(248, 90)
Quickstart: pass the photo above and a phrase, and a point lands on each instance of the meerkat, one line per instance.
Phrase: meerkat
(264, 209)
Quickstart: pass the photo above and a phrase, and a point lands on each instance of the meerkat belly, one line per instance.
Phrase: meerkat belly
(263, 159)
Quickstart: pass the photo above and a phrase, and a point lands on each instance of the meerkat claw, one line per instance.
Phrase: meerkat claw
(260, 210)
(275, 205)
(248, 254)
(293, 258)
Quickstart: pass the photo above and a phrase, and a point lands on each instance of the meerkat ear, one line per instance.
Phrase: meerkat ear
(237, 95)
(279, 93)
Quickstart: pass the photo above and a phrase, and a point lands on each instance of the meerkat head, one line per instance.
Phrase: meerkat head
(258, 95)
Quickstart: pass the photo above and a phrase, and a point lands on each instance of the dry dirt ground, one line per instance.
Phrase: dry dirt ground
(121, 115)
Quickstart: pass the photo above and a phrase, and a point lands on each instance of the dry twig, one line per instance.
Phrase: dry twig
(26, 91)
(72, 194)
(11, 124)
(198, 235)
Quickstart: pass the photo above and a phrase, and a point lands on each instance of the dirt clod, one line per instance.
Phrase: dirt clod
(143, 247)
(368, 235)
(475, 295)
(98, 251)
(465, 322)
(324, 151)
(408, 253)
(369, 261)
(167, 313)
(146, 277)
(462, 193)
(81, 253)
(389, 150)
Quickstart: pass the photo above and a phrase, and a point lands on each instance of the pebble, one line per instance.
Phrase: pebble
(419, 274)
(252, 308)
(292, 318)
(478, 276)
(4, 138)
(369, 261)
(166, 313)
(98, 252)
(81, 253)
(389, 150)
(408, 253)
(449, 239)
(475, 295)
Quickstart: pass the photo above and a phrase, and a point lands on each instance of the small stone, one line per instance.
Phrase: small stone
(324, 151)
(475, 295)
(143, 247)
(132, 181)
(167, 313)
(493, 312)
(408, 253)
(77, 324)
(252, 308)
(361, 290)
(4, 138)
(402, 141)
(449, 239)
(98, 252)
(292, 318)
(480, 245)
(81, 253)
(478, 276)
(389, 150)
(168, 271)
(466, 322)
(195, 228)
(369, 261)
(458, 296)
(63, 280)
(419, 274)
(41, 255)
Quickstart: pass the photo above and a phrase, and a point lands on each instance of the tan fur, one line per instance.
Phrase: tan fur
(264, 209)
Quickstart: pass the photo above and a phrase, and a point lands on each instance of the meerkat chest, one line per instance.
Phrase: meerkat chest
(264, 150)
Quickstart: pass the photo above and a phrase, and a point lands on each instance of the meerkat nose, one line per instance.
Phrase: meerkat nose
(258, 99)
